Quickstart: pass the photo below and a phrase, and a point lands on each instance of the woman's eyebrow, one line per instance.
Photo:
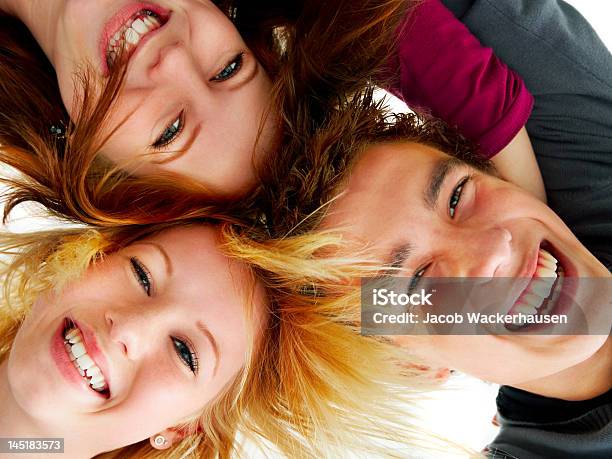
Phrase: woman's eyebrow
(163, 253)
(213, 343)
(438, 174)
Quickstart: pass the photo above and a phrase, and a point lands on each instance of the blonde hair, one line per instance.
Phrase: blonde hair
(314, 388)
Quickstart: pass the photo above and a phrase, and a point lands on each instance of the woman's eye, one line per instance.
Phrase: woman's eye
(186, 354)
(142, 275)
(456, 197)
(416, 277)
(230, 69)
(171, 132)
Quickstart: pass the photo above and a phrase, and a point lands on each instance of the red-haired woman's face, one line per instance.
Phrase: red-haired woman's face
(194, 96)
(157, 329)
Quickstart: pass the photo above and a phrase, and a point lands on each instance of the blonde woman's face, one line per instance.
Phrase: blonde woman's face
(194, 94)
(159, 329)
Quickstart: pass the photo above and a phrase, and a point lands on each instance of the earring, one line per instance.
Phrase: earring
(160, 440)
(58, 130)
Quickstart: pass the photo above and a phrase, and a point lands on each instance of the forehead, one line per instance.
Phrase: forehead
(385, 178)
(197, 261)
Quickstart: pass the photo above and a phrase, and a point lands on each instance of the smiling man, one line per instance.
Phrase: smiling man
(409, 191)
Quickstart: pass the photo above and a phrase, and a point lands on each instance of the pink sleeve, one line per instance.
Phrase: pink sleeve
(444, 70)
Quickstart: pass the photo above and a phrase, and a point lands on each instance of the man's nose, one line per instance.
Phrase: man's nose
(479, 253)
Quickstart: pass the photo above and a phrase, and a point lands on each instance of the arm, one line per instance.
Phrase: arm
(517, 163)
(443, 69)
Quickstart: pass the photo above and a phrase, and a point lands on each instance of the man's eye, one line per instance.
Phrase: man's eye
(453, 202)
(186, 354)
(171, 132)
(230, 69)
(142, 274)
(416, 277)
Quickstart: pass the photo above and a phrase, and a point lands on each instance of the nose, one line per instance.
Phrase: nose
(478, 253)
(133, 329)
(175, 65)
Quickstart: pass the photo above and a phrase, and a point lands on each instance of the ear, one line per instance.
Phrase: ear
(166, 438)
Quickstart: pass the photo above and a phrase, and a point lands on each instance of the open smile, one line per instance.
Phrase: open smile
(129, 29)
(542, 293)
(82, 360)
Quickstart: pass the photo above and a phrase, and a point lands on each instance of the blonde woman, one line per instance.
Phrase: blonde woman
(153, 343)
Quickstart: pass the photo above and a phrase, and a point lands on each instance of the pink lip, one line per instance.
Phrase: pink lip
(531, 265)
(91, 344)
(565, 302)
(119, 19)
(66, 367)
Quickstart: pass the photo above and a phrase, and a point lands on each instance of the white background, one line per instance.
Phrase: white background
(464, 414)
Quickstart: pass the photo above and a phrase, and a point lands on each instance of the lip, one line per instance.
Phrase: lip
(117, 21)
(565, 301)
(94, 351)
(67, 368)
(531, 264)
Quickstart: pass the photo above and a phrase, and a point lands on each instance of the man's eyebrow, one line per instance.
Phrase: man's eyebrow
(398, 257)
(178, 153)
(209, 336)
(438, 174)
(163, 253)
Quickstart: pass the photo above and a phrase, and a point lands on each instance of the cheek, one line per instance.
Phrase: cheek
(155, 402)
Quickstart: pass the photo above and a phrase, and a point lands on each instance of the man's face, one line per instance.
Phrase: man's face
(432, 215)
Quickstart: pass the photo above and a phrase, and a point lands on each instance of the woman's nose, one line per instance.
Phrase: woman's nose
(132, 329)
(480, 253)
(175, 64)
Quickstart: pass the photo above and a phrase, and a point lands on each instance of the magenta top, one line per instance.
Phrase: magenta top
(445, 71)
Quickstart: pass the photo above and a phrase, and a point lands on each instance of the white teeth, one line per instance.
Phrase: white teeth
(131, 36)
(99, 385)
(546, 254)
(139, 26)
(533, 301)
(117, 36)
(94, 372)
(72, 333)
(97, 380)
(543, 271)
(526, 309)
(148, 22)
(540, 287)
(82, 361)
(78, 350)
(85, 362)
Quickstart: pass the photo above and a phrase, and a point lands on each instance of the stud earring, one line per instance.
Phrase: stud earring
(58, 130)
(160, 440)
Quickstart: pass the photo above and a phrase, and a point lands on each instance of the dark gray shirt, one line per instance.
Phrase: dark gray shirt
(569, 71)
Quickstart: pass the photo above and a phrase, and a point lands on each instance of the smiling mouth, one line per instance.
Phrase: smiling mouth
(126, 39)
(82, 361)
(543, 291)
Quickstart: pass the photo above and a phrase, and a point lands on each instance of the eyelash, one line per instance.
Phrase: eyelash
(230, 69)
(416, 277)
(143, 276)
(171, 133)
(186, 354)
(453, 202)
(173, 130)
